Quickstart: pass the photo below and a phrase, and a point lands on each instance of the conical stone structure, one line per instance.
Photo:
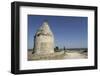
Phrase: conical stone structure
(44, 40)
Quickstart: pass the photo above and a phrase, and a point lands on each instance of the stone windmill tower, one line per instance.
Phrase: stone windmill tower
(44, 40)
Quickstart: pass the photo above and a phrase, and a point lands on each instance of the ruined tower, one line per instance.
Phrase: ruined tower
(44, 40)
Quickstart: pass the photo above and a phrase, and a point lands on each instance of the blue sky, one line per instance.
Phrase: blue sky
(69, 31)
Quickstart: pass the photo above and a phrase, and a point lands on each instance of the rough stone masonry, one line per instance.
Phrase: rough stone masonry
(44, 40)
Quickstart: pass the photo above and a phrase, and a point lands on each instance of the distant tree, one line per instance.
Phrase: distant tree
(64, 48)
(56, 48)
